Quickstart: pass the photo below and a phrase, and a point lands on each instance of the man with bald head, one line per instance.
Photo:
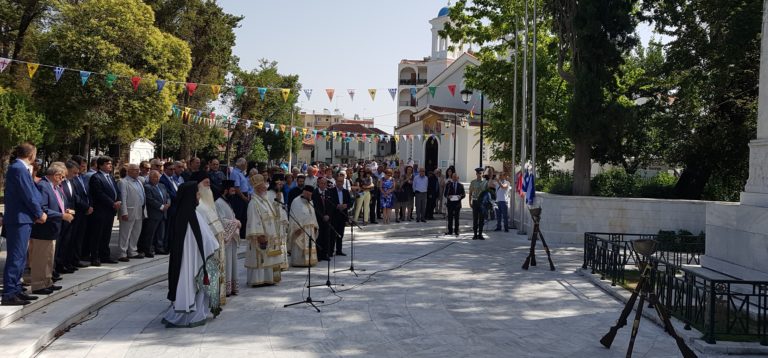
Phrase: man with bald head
(131, 213)
(158, 201)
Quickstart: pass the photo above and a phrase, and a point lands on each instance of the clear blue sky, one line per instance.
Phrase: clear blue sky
(340, 44)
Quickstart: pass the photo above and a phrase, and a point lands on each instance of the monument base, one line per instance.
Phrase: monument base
(737, 240)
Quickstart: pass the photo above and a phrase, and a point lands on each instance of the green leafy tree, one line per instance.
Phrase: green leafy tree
(709, 91)
(209, 32)
(494, 25)
(273, 109)
(594, 36)
(20, 121)
(107, 37)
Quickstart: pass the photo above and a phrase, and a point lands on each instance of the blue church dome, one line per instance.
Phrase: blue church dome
(443, 12)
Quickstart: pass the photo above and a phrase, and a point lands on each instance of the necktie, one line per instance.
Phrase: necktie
(111, 184)
(455, 188)
(58, 198)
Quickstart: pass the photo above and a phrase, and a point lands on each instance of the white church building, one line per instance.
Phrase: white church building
(431, 113)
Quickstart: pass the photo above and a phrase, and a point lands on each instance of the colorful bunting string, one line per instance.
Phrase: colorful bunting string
(191, 87)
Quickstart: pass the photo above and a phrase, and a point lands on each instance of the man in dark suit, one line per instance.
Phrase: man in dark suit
(341, 201)
(153, 229)
(454, 193)
(433, 191)
(295, 192)
(323, 212)
(105, 199)
(42, 246)
(82, 207)
(64, 262)
(22, 209)
(171, 186)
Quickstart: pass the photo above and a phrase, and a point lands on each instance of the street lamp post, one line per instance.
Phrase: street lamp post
(466, 96)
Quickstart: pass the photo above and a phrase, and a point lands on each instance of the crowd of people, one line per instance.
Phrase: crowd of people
(198, 213)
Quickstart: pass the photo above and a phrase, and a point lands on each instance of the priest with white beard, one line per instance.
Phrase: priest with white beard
(264, 254)
(192, 267)
(303, 251)
(231, 235)
(207, 209)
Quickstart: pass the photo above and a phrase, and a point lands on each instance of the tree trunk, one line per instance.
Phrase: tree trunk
(184, 147)
(31, 11)
(692, 182)
(582, 167)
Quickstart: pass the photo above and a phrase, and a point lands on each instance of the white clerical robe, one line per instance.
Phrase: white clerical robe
(304, 213)
(209, 211)
(282, 224)
(231, 243)
(190, 307)
(263, 264)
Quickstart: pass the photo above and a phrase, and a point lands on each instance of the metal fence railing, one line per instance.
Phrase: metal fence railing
(720, 306)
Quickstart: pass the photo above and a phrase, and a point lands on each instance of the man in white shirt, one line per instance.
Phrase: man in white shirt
(502, 190)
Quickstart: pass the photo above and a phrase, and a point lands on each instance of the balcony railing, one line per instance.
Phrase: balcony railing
(344, 153)
(415, 82)
(408, 103)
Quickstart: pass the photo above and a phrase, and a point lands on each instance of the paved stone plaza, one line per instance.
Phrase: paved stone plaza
(462, 298)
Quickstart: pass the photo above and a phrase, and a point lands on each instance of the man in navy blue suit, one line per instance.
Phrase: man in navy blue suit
(161, 246)
(105, 200)
(22, 209)
(45, 237)
(83, 210)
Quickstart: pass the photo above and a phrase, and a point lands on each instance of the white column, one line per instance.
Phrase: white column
(756, 191)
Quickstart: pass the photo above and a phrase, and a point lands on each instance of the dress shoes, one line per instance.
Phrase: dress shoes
(72, 268)
(149, 256)
(456, 233)
(64, 270)
(55, 279)
(448, 233)
(79, 265)
(340, 254)
(108, 260)
(123, 259)
(26, 297)
(96, 263)
(54, 287)
(137, 256)
(480, 237)
(160, 252)
(14, 301)
(43, 291)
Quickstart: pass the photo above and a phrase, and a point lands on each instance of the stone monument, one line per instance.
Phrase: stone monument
(737, 234)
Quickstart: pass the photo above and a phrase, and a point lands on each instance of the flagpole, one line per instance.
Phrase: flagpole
(290, 143)
(533, 95)
(523, 154)
(514, 131)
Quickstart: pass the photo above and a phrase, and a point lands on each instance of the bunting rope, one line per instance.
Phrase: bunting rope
(210, 118)
(191, 87)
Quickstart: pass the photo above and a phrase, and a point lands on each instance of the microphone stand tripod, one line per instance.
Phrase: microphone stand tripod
(307, 300)
(328, 277)
(351, 268)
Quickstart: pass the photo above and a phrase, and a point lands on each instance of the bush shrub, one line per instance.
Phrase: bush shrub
(613, 183)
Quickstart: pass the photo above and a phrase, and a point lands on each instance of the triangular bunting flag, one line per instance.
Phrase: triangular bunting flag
(111, 78)
(191, 87)
(32, 68)
(452, 89)
(393, 92)
(215, 89)
(58, 71)
(4, 62)
(308, 93)
(285, 92)
(239, 90)
(432, 90)
(135, 80)
(84, 75)
(262, 92)
(160, 85)
(372, 92)
(351, 94)
(330, 92)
